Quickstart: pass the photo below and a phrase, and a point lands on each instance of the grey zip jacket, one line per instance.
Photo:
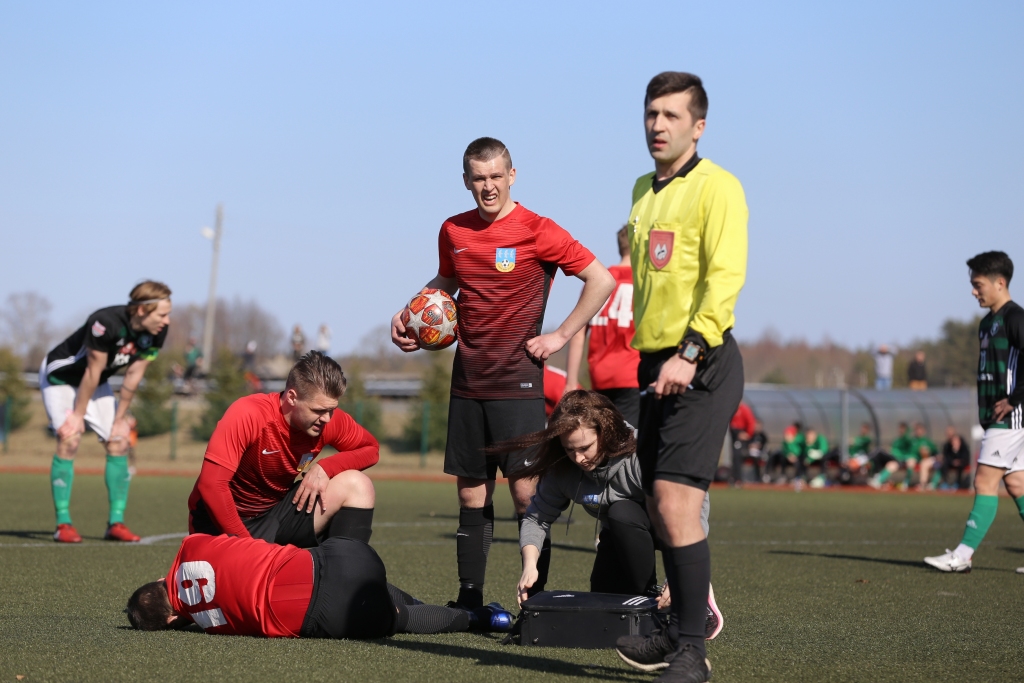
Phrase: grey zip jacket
(617, 479)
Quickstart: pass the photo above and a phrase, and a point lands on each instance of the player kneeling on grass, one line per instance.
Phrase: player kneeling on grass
(73, 382)
(247, 484)
(1000, 409)
(587, 455)
(246, 586)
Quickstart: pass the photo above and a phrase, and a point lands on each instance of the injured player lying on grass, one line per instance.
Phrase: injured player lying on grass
(244, 586)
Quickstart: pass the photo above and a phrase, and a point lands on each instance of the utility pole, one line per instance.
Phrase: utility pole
(211, 300)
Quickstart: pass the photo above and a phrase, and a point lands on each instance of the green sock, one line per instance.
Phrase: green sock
(883, 476)
(62, 476)
(117, 477)
(936, 479)
(982, 515)
(1020, 506)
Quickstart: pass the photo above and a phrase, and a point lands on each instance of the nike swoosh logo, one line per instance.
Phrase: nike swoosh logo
(266, 452)
(527, 463)
(461, 534)
(459, 251)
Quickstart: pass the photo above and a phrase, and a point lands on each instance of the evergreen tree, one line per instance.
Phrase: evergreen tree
(150, 407)
(227, 385)
(12, 386)
(437, 383)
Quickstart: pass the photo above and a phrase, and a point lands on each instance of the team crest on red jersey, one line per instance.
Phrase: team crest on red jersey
(505, 260)
(660, 247)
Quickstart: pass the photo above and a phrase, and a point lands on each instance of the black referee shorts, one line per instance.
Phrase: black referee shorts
(475, 424)
(281, 524)
(680, 436)
(350, 593)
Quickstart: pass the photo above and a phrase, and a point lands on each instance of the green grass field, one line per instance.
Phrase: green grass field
(814, 586)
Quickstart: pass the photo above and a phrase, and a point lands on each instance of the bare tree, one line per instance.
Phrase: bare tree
(25, 326)
(236, 323)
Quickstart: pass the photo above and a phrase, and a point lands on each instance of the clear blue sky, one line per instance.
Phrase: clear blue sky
(879, 146)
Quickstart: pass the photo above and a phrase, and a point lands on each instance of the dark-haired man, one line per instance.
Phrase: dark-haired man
(1000, 409)
(688, 239)
(246, 586)
(247, 484)
(501, 258)
(73, 382)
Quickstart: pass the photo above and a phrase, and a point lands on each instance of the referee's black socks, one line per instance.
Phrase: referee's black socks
(543, 562)
(473, 542)
(355, 523)
(688, 570)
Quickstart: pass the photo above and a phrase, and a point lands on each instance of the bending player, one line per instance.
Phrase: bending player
(611, 359)
(247, 484)
(73, 382)
(245, 586)
(501, 258)
(1000, 395)
(587, 455)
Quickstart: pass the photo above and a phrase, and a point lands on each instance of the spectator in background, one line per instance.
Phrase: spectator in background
(883, 368)
(612, 360)
(813, 447)
(887, 464)
(323, 339)
(741, 429)
(298, 343)
(925, 450)
(917, 374)
(249, 356)
(860, 449)
(788, 455)
(193, 354)
(757, 449)
(956, 458)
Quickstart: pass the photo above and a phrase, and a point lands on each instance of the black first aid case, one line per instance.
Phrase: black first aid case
(584, 620)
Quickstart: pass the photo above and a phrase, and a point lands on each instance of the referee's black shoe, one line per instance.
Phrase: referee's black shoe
(686, 665)
(646, 653)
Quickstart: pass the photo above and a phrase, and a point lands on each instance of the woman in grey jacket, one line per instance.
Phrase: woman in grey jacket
(587, 455)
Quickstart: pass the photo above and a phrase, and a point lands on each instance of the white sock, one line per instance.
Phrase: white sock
(964, 551)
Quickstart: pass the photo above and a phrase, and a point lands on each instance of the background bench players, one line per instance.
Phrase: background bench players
(73, 382)
(611, 359)
(501, 258)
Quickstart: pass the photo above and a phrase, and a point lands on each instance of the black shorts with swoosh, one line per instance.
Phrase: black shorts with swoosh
(475, 424)
(281, 524)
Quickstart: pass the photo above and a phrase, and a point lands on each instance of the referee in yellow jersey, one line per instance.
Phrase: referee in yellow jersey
(688, 237)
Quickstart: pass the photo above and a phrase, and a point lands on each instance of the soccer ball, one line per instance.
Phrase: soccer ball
(431, 319)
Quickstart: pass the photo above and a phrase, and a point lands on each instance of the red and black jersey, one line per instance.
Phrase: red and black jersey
(610, 357)
(241, 586)
(254, 441)
(504, 271)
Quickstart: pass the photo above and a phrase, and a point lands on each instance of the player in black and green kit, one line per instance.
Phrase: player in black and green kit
(1000, 395)
(73, 382)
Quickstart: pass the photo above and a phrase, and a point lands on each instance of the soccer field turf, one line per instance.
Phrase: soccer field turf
(814, 586)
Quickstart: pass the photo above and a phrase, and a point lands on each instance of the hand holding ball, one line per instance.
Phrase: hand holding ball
(431, 318)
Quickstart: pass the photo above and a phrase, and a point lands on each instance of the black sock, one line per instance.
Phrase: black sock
(473, 542)
(400, 597)
(688, 570)
(433, 619)
(355, 523)
(543, 562)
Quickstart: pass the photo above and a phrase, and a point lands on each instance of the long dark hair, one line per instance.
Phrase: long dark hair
(579, 408)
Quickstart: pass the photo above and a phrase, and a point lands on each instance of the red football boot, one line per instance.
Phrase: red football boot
(66, 533)
(119, 532)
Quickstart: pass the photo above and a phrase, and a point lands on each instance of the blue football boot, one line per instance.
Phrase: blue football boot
(491, 618)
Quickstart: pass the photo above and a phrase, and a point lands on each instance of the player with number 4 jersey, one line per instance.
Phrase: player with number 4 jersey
(611, 359)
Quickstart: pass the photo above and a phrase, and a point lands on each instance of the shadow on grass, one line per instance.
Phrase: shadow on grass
(1019, 551)
(560, 546)
(28, 535)
(514, 658)
(880, 560)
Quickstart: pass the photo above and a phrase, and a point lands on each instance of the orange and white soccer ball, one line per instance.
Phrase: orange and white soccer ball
(432, 319)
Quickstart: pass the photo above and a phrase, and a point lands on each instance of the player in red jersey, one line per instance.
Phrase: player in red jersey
(246, 486)
(501, 258)
(610, 357)
(245, 586)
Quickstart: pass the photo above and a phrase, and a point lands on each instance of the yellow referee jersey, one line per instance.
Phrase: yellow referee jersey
(689, 253)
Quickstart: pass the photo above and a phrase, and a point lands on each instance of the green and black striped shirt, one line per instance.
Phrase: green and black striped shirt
(1002, 336)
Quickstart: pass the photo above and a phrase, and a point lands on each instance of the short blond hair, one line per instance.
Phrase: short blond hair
(147, 294)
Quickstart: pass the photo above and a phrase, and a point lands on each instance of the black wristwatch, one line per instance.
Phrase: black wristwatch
(691, 352)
